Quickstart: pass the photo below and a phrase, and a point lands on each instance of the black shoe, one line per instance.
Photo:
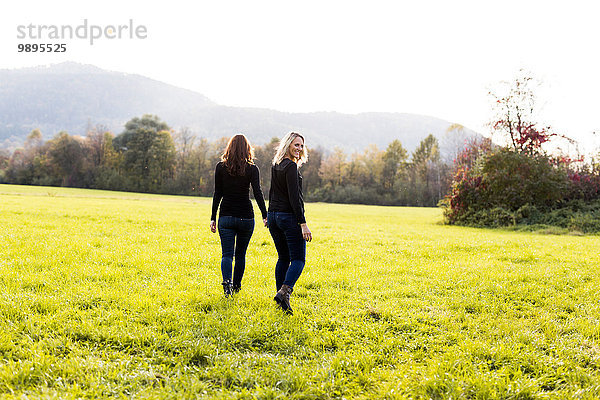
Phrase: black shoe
(236, 288)
(227, 288)
(282, 297)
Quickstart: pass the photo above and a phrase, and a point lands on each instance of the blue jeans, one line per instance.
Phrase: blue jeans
(235, 235)
(290, 245)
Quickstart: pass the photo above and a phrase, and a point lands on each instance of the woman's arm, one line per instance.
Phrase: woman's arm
(217, 196)
(258, 194)
(293, 187)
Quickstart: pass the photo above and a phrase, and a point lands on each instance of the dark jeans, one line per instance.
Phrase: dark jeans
(235, 235)
(290, 245)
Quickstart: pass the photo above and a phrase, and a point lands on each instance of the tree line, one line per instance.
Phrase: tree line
(148, 156)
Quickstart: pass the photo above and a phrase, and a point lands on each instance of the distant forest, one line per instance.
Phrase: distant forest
(150, 157)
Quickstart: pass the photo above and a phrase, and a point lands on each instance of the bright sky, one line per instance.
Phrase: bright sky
(436, 57)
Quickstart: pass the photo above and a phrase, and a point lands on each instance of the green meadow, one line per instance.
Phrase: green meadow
(118, 295)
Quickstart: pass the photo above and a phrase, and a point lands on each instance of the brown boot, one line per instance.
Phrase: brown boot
(283, 298)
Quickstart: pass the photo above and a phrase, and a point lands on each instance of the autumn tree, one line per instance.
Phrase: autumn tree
(515, 110)
(394, 160)
(29, 164)
(34, 140)
(311, 179)
(96, 144)
(426, 175)
(333, 168)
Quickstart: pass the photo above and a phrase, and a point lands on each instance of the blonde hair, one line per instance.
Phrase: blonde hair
(284, 145)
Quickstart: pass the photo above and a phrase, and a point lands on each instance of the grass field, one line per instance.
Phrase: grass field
(106, 294)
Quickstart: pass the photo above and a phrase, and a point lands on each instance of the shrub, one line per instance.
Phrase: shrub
(512, 180)
(507, 188)
(505, 180)
(583, 184)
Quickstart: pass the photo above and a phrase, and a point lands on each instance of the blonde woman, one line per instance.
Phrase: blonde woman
(285, 219)
(234, 175)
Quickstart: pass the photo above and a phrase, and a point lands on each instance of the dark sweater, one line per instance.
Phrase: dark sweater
(285, 194)
(235, 193)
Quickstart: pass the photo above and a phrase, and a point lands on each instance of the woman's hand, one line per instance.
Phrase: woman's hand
(264, 221)
(213, 226)
(306, 232)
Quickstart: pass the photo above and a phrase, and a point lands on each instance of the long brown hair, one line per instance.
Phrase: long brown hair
(237, 155)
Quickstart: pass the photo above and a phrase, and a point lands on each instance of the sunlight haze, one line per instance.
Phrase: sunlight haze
(434, 58)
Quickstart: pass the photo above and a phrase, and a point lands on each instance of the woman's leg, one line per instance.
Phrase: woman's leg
(283, 254)
(244, 230)
(297, 250)
(227, 235)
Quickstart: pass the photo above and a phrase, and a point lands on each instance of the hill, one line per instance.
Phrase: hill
(72, 97)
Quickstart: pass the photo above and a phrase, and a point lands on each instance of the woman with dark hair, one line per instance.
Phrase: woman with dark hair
(286, 221)
(234, 175)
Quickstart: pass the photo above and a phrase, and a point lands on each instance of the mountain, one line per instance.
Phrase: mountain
(72, 97)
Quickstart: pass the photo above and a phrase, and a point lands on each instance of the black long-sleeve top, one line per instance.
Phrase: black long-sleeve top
(234, 191)
(285, 194)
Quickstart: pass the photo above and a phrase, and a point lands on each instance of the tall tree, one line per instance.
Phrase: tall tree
(67, 157)
(365, 169)
(333, 168)
(426, 153)
(148, 152)
(132, 128)
(184, 143)
(34, 140)
(310, 171)
(28, 166)
(426, 175)
(394, 159)
(95, 143)
(161, 160)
